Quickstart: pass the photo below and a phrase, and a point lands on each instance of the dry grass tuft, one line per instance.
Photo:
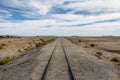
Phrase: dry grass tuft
(99, 54)
(92, 45)
(3, 44)
(116, 59)
(85, 46)
(5, 60)
(1, 47)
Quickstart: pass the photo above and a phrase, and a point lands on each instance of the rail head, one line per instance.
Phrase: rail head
(68, 64)
(47, 66)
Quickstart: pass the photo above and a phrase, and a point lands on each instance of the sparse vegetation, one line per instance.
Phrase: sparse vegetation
(19, 50)
(99, 53)
(85, 46)
(20, 46)
(92, 45)
(70, 40)
(28, 48)
(5, 60)
(116, 59)
(1, 47)
(38, 44)
(79, 40)
(33, 41)
(3, 44)
(118, 64)
(42, 40)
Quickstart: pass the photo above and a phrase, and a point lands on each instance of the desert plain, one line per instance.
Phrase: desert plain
(59, 58)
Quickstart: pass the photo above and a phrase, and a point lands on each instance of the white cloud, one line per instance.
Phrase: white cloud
(29, 24)
(41, 27)
(34, 7)
(41, 8)
(95, 6)
(4, 15)
(80, 19)
(62, 24)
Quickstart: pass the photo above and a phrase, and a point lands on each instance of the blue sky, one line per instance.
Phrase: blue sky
(60, 17)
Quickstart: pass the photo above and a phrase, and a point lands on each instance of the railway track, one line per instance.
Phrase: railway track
(68, 64)
(46, 68)
(71, 76)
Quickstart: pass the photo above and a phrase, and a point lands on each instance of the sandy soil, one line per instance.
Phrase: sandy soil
(107, 43)
(16, 46)
(28, 67)
(108, 46)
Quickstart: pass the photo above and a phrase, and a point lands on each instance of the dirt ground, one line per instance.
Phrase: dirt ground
(106, 43)
(109, 47)
(84, 65)
(16, 46)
